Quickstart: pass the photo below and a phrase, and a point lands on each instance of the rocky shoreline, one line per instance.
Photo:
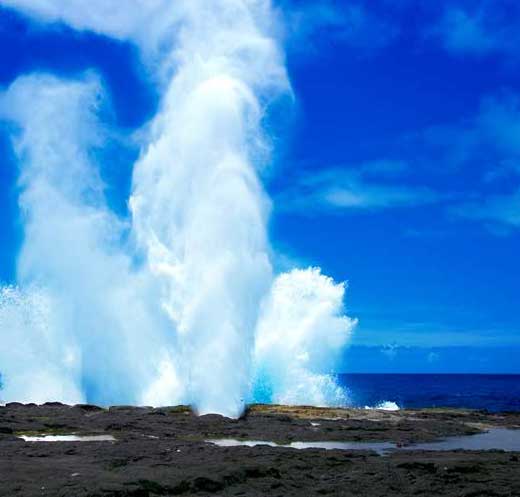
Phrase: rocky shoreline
(165, 451)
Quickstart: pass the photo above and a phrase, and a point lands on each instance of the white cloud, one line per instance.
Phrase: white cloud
(502, 209)
(486, 148)
(428, 335)
(488, 28)
(499, 123)
(390, 351)
(350, 23)
(363, 187)
(365, 196)
(465, 33)
(494, 134)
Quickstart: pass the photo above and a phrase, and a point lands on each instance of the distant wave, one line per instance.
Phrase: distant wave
(385, 406)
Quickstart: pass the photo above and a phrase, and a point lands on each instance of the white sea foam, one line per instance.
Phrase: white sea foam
(301, 332)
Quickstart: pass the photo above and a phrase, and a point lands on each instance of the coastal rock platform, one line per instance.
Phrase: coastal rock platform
(150, 452)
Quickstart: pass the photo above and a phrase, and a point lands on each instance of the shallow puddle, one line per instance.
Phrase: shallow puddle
(494, 439)
(68, 438)
(379, 447)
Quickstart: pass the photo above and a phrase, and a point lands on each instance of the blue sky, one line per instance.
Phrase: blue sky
(397, 166)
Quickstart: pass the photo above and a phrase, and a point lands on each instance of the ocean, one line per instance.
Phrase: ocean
(474, 391)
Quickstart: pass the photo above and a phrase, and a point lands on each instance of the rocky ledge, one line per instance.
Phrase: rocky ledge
(165, 451)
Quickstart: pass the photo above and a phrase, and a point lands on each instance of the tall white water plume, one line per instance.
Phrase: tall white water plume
(199, 320)
(90, 305)
(198, 208)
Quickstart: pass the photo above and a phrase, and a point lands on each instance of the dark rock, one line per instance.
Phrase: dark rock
(418, 466)
(88, 407)
(163, 452)
(205, 484)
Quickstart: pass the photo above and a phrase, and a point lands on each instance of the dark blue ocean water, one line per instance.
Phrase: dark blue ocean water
(491, 392)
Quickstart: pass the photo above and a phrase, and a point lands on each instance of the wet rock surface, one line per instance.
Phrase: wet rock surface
(164, 452)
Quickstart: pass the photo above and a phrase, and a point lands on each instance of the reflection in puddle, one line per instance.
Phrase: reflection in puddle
(494, 439)
(69, 438)
(379, 447)
(230, 442)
